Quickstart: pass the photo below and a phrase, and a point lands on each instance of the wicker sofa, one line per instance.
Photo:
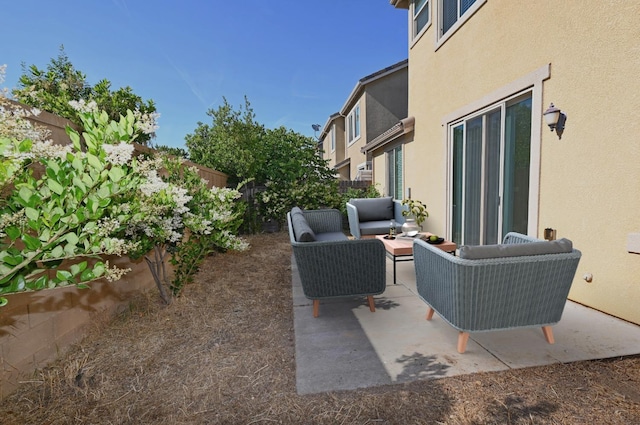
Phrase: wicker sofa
(372, 216)
(523, 282)
(330, 264)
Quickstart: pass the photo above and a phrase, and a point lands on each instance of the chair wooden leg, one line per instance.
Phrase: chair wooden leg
(430, 313)
(463, 337)
(316, 308)
(548, 334)
(372, 305)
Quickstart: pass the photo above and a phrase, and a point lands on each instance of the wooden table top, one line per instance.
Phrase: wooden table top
(404, 246)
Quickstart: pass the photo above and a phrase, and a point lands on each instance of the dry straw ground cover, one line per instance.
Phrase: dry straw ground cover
(224, 354)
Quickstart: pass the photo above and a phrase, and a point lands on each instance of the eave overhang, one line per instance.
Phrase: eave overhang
(399, 4)
(342, 163)
(403, 127)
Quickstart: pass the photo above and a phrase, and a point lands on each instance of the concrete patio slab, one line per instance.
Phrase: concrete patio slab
(349, 347)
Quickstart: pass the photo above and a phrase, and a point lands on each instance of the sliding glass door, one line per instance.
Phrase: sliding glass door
(489, 169)
(394, 172)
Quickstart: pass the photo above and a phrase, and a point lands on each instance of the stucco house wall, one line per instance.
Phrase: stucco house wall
(384, 106)
(586, 61)
(382, 97)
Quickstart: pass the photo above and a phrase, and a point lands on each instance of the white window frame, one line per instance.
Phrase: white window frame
(413, 19)
(532, 82)
(353, 125)
(442, 38)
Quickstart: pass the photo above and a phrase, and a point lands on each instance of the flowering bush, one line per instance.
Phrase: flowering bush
(54, 204)
(65, 208)
(179, 216)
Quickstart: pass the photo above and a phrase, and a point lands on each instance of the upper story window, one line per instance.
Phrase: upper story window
(353, 124)
(421, 16)
(453, 14)
(333, 138)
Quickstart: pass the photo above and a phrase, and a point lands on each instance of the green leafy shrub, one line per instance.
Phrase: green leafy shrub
(65, 209)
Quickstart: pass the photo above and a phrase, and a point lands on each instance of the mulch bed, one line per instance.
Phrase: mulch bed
(223, 353)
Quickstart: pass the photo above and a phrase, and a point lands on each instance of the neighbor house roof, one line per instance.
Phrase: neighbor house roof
(356, 92)
(325, 128)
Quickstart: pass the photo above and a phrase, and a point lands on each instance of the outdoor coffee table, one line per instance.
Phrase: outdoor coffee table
(401, 248)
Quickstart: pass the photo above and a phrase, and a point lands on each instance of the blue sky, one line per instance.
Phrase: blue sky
(297, 61)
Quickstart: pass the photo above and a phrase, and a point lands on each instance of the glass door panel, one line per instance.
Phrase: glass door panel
(457, 186)
(492, 177)
(490, 173)
(473, 181)
(516, 167)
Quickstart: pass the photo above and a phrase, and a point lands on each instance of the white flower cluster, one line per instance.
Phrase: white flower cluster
(146, 166)
(47, 149)
(154, 184)
(146, 123)
(198, 224)
(221, 216)
(231, 241)
(119, 154)
(107, 226)
(14, 123)
(17, 157)
(16, 219)
(83, 106)
(169, 228)
(180, 197)
(116, 246)
(114, 274)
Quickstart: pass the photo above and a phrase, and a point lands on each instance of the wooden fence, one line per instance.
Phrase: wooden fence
(353, 184)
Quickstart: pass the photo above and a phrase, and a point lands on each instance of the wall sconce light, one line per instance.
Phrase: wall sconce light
(550, 234)
(555, 119)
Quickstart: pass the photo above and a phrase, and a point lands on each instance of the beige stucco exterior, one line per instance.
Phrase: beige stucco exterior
(586, 60)
(382, 101)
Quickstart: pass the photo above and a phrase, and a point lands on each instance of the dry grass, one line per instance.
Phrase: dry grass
(224, 354)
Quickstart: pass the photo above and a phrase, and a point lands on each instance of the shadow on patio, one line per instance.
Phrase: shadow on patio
(349, 347)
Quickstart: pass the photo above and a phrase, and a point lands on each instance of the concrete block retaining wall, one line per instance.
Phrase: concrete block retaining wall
(38, 327)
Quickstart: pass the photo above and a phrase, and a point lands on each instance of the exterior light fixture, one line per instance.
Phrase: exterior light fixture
(555, 119)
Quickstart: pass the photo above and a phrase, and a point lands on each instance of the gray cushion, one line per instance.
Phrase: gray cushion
(377, 227)
(331, 236)
(301, 228)
(372, 209)
(478, 252)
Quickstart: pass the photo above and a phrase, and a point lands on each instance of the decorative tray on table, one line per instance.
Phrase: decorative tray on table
(433, 242)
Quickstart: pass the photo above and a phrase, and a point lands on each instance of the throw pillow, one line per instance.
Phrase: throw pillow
(301, 228)
(479, 252)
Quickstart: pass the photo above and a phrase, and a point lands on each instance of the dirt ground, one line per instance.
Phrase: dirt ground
(223, 353)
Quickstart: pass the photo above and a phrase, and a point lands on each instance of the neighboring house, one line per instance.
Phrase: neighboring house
(377, 102)
(479, 154)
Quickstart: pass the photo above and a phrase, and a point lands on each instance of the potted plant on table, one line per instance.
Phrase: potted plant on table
(416, 214)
